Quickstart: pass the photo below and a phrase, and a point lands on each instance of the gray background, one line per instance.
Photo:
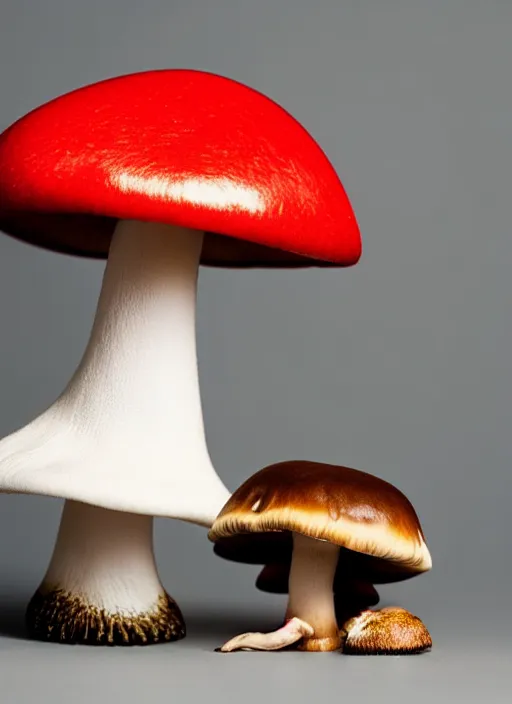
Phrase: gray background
(400, 366)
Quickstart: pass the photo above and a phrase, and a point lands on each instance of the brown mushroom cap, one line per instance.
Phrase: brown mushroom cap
(363, 514)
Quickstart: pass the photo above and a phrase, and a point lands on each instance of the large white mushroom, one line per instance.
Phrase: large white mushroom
(159, 172)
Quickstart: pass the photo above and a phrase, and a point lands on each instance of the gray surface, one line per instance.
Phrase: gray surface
(400, 366)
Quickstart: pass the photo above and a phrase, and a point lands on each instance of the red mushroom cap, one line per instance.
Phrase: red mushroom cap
(181, 147)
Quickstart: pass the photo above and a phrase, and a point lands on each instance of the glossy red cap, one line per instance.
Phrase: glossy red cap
(181, 147)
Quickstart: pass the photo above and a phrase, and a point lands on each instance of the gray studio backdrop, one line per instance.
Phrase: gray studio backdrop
(400, 366)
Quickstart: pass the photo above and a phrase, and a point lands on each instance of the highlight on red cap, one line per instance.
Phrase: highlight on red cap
(181, 147)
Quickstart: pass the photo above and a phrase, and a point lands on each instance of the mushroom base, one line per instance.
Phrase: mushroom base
(320, 645)
(59, 616)
(102, 584)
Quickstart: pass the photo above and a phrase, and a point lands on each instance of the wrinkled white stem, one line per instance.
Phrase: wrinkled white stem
(127, 433)
(106, 559)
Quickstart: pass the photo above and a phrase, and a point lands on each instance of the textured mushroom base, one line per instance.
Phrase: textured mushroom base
(320, 645)
(390, 631)
(58, 616)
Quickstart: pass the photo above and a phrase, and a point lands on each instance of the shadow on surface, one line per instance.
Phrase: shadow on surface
(225, 621)
(12, 618)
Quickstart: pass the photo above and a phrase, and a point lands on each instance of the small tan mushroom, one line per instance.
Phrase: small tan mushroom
(326, 509)
(390, 631)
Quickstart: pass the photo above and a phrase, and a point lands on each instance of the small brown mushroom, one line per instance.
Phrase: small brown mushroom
(390, 631)
(325, 508)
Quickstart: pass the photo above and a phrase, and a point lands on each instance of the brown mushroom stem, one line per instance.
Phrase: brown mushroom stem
(311, 595)
(310, 614)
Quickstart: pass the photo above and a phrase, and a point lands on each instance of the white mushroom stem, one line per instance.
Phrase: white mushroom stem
(127, 433)
(106, 558)
(310, 615)
(310, 585)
